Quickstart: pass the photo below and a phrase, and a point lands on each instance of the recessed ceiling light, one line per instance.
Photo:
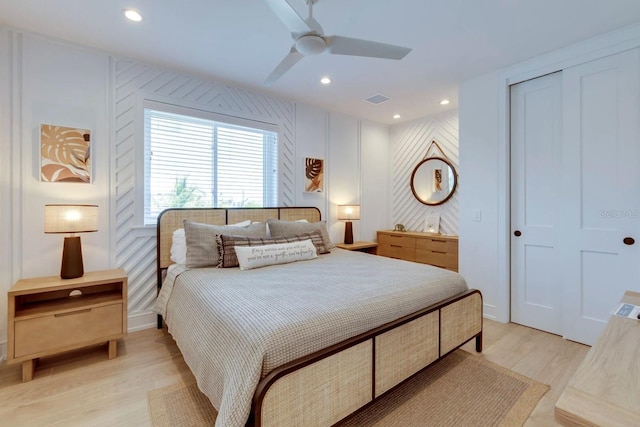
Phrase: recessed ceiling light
(132, 15)
(325, 80)
(444, 102)
(396, 116)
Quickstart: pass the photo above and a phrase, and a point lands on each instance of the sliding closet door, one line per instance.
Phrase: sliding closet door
(601, 192)
(536, 185)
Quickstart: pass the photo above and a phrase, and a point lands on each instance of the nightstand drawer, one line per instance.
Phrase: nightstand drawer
(393, 251)
(67, 329)
(397, 240)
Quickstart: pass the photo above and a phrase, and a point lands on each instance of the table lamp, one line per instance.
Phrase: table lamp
(348, 213)
(71, 219)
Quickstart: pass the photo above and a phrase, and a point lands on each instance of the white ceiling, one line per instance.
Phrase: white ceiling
(242, 41)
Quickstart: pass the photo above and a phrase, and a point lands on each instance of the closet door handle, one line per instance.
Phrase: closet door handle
(628, 241)
(517, 233)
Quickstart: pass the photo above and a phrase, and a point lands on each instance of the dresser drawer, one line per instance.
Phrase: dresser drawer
(397, 240)
(436, 244)
(66, 330)
(438, 259)
(394, 251)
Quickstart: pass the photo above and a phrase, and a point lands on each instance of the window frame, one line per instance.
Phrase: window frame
(199, 113)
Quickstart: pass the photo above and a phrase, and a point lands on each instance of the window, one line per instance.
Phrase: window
(196, 162)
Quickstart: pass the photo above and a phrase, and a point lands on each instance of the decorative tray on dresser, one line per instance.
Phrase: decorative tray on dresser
(427, 248)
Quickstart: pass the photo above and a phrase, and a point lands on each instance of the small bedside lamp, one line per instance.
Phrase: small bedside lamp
(348, 213)
(71, 219)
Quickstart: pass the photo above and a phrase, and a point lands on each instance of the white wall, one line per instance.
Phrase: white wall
(46, 81)
(478, 244)
(356, 173)
(375, 181)
(484, 148)
(410, 142)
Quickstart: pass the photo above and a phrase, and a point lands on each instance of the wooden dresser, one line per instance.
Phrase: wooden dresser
(427, 248)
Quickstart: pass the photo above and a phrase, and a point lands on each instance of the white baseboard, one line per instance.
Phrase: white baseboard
(142, 320)
(489, 312)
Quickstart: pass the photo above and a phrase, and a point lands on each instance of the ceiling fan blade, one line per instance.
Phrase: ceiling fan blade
(289, 17)
(285, 65)
(339, 45)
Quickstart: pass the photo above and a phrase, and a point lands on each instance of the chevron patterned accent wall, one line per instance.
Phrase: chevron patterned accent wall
(410, 142)
(134, 246)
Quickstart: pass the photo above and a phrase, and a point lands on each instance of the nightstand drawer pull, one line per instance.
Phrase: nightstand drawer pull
(439, 252)
(71, 313)
(395, 246)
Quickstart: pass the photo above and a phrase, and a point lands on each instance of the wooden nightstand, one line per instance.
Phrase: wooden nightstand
(49, 315)
(368, 247)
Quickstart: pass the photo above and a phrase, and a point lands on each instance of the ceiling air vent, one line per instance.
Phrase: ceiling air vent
(378, 99)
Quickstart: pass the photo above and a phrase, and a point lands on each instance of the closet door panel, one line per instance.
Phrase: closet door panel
(536, 177)
(601, 157)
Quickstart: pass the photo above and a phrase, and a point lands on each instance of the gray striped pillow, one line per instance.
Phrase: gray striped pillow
(202, 246)
(279, 228)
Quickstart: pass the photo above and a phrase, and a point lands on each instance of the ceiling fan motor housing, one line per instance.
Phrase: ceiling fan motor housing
(310, 44)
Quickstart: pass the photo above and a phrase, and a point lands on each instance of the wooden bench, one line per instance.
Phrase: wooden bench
(605, 390)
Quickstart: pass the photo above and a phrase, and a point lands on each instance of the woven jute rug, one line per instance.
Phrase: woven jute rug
(460, 390)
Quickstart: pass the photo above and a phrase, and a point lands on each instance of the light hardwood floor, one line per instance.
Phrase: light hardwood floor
(84, 388)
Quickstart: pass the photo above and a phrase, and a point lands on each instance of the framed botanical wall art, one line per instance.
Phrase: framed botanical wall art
(314, 175)
(65, 154)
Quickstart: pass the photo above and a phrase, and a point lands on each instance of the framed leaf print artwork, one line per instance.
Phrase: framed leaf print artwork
(65, 154)
(314, 175)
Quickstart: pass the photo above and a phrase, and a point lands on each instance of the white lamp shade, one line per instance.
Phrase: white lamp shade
(348, 212)
(70, 218)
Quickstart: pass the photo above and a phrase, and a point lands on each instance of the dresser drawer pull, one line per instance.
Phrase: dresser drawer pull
(395, 246)
(71, 313)
(439, 252)
(438, 240)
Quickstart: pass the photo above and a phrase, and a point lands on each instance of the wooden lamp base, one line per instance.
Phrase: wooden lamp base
(348, 232)
(72, 265)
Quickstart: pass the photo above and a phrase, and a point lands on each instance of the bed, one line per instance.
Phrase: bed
(312, 341)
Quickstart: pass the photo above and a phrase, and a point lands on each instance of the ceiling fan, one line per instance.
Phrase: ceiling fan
(309, 39)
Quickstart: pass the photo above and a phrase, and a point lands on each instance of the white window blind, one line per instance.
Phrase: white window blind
(196, 162)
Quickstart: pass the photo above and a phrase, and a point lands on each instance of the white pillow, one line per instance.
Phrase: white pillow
(179, 243)
(280, 253)
(179, 247)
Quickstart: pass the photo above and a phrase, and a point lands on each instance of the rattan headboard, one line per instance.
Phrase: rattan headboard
(171, 220)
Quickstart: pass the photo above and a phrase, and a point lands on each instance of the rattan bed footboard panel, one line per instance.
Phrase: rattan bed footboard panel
(337, 385)
(459, 322)
(414, 344)
(300, 393)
